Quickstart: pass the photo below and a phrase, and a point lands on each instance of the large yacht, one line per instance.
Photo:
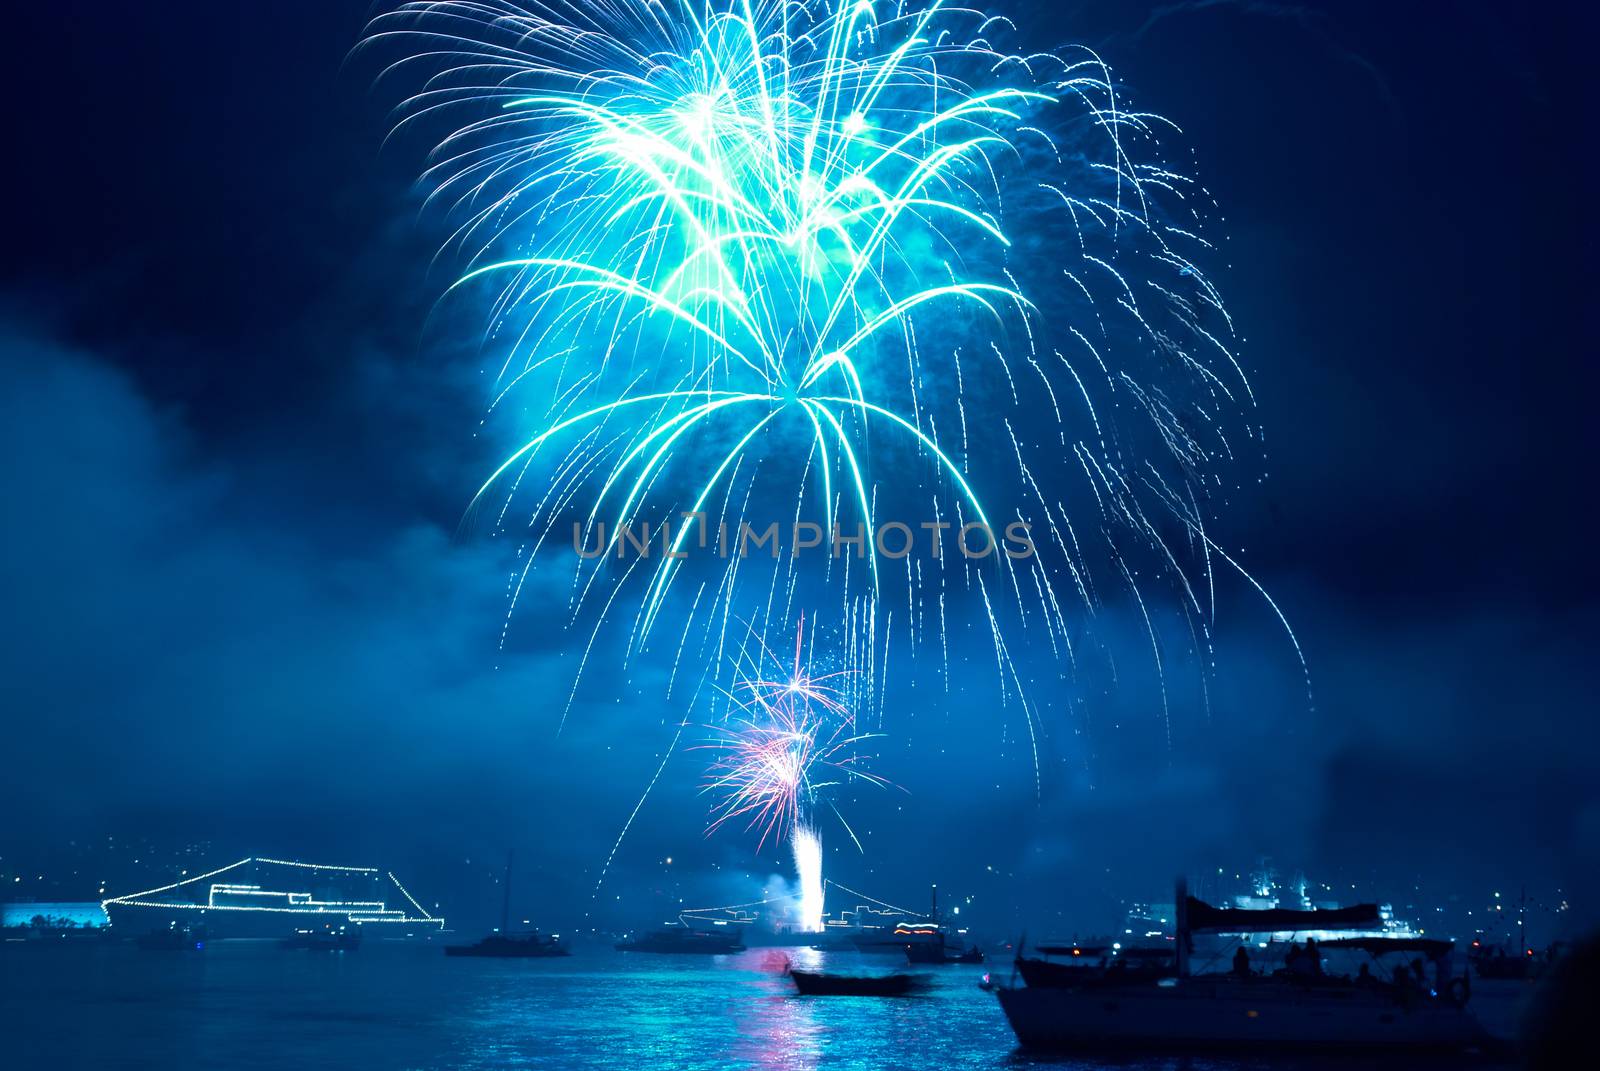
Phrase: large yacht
(261, 897)
(1298, 1007)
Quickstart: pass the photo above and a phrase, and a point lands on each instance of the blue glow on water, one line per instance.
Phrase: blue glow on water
(238, 1005)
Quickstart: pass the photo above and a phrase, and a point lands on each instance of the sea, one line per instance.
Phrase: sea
(237, 1005)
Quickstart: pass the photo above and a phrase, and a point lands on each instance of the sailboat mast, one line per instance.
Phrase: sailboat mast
(505, 904)
(1181, 918)
(1522, 924)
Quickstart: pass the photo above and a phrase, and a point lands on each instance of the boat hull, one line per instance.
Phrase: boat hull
(681, 940)
(513, 950)
(1231, 1016)
(814, 984)
(938, 957)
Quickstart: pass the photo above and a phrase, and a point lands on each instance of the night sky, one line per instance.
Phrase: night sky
(237, 450)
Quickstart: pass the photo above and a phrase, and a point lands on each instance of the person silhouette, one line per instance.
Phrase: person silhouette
(1313, 957)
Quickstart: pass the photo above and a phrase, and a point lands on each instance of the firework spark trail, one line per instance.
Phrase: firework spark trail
(785, 733)
(727, 239)
(790, 737)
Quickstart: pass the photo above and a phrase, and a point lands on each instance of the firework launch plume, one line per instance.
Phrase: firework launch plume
(790, 739)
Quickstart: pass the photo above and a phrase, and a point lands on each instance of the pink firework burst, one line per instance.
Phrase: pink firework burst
(790, 738)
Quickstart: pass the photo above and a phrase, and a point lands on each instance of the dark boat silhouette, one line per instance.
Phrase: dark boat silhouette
(1495, 963)
(900, 939)
(512, 946)
(818, 984)
(504, 944)
(683, 939)
(1294, 1010)
(938, 953)
(923, 942)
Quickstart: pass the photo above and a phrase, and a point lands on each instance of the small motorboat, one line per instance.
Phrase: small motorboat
(818, 984)
(675, 939)
(512, 946)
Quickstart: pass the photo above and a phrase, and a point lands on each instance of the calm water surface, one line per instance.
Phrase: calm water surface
(253, 1005)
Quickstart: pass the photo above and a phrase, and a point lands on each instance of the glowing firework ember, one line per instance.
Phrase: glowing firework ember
(792, 738)
(725, 240)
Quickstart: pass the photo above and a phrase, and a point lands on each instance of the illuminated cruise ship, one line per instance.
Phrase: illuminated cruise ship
(260, 897)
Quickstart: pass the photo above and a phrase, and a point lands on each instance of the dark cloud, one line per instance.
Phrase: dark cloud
(200, 661)
(201, 658)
